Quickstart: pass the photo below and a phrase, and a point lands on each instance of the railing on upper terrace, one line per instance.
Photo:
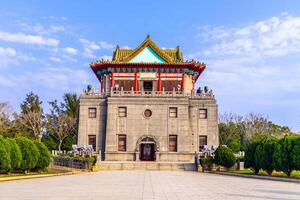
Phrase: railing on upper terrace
(175, 93)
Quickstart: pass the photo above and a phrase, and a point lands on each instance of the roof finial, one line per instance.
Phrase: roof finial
(117, 47)
(148, 36)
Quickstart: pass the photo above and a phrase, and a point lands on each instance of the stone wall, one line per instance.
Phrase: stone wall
(92, 126)
(187, 126)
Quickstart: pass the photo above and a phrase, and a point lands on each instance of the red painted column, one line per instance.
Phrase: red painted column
(112, 79)
(135, 82)
(159, 82)
(182, 82)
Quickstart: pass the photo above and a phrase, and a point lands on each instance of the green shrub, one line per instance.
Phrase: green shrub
(15, 154)
(50, 142)
(44, 156)
(286, 154)
(5, 165)
(263, 155)
(90, 160)
(5, 162)
(224, 157)
(234, 145)
(207, 163)
(30, 153)
(68, 142)
(250, 157)
(296, 154)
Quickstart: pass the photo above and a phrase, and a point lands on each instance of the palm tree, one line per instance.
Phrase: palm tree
(71, 104)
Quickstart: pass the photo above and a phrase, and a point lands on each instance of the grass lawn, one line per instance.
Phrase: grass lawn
(295, 174)
(31, 174)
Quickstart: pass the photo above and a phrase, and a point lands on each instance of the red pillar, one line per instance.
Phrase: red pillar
(159, 82)
(112, 80)
(135, 82)
(182, 82)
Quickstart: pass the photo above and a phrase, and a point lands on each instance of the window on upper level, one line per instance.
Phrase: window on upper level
(92, 112)
(173, 112)
(203, 113)
(122, 112)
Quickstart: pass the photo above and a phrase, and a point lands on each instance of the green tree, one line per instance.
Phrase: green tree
(224, 157)
(44, 158)
(31, 116)
(30, 153)
(68, 142)
(250, 157)
(59, 124)
(50, 142)
(296, 154)
(15, 154)
(5, 161)
(31, 103)
(234, 144)
(71, 104)
(286, 154)
(263, 156)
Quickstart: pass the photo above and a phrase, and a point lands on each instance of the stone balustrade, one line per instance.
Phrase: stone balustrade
(132, 93)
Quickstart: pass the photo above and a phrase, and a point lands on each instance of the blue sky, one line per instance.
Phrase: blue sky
(251, 48)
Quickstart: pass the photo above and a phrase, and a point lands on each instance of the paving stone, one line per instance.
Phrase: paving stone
(137, 185)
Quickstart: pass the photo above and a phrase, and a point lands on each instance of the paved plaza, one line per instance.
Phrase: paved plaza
(147, 185)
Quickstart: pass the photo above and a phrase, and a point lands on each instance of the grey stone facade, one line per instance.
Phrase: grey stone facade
(187, 126)
(147, 108)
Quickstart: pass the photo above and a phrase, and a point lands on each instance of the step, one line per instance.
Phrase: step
(170, 166)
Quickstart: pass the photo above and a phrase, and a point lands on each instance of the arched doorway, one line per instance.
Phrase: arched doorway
(147, 147)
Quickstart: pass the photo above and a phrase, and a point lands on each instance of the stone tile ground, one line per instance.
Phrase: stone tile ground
(133, 185)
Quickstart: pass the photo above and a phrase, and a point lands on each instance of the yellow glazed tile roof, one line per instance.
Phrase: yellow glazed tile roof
(170, 55)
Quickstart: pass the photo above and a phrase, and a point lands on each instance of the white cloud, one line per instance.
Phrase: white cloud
(105, 57)
(255, 67)
(90, 47)
(70, 50)
(28, 39)
(55, 59)
(276, 36)
(56, 28)
(9, 56)
(49, 78)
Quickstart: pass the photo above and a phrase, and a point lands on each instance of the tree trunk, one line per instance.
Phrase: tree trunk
(59, 145)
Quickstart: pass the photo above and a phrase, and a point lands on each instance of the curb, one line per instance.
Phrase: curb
(282, 179)
(34, 176)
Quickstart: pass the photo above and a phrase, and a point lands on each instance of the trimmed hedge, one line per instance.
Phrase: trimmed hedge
(5, 162)
(264, 153)
(74, 161)
(44, 158)
(5, 165)
(22, 154)
(30, 153)
(269, 153)
(15, 154)
(224, 157)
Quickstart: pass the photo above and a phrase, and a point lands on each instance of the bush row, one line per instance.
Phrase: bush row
(224, 156)
(75, 161)
(269, 153)
(22, 154)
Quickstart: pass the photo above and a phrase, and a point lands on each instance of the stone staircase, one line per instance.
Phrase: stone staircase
(170, 166)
